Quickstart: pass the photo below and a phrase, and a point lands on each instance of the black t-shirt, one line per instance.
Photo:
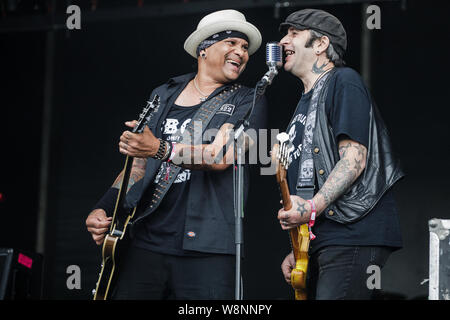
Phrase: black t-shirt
(163, 231)
(208, 195)
(164, 228)
(347, 107)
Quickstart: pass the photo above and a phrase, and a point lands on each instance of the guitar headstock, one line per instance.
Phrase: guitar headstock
(144, 117)
(281, 152)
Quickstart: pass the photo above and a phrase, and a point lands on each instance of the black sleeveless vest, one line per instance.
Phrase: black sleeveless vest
(382, 169)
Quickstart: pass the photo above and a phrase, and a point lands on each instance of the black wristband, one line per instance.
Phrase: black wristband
(108, 201)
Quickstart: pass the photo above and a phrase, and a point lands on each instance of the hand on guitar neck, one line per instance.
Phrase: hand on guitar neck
(298, 214)
(139, 145)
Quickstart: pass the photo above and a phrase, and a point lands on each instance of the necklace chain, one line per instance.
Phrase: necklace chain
(204, 96)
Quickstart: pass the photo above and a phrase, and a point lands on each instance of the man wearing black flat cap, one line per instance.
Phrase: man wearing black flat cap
(343, 168)
(183, 242)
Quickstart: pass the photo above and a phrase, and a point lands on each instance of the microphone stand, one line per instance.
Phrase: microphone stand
(238, 176)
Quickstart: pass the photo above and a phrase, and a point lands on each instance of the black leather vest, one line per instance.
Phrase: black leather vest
(382, 169)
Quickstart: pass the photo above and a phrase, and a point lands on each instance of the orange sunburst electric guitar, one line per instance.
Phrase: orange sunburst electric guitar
(299, 236)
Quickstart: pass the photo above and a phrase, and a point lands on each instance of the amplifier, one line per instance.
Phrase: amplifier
(20, 275)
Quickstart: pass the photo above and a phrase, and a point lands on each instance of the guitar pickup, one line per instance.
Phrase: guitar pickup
(117, 233)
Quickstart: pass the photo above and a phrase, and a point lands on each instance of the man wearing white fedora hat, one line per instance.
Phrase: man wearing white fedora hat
(183, 241)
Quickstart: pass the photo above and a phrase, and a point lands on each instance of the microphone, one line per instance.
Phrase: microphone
(273, 60)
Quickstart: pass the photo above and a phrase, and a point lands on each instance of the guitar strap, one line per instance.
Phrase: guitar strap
(306, 177)
(192, 135)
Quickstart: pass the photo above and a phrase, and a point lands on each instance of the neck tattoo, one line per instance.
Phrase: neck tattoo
(204, 96)
(318, 70)
(320, 77)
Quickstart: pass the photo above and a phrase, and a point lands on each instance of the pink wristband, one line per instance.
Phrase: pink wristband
(312, 219)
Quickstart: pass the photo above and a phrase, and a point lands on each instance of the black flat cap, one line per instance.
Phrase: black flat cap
(319, 21)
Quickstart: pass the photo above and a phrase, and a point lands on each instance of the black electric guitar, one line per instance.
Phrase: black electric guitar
(116, 240)
(299, 235)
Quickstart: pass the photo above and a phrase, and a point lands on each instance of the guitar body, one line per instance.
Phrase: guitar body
(107, 273)
(299, 236)
(114, 246)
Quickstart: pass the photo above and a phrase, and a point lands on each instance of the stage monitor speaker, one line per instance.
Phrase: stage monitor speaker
(20, 275)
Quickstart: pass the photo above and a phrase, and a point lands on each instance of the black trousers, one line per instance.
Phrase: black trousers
(346, 272)
(153, 276)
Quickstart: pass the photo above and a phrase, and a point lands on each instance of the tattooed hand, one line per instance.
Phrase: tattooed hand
(299, 213)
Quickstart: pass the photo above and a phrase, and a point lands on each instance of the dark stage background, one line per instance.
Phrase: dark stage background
(102, 75)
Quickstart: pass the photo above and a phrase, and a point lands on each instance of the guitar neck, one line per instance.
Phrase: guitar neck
(285, 195)
(126, 177)
(287, 205)
(123, 189)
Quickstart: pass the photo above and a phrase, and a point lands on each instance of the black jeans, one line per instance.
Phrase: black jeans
(153, 276)
(345, 272)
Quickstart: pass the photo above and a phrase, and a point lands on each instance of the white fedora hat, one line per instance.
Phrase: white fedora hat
(221, 21)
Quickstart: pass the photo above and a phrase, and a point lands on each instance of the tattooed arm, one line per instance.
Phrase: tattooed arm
(196, 157)
(351, 164)
(136, 174)
(97, 222)
(209, 156)
(347, 170)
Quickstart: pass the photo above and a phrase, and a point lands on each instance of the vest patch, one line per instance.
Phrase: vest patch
(226, 109)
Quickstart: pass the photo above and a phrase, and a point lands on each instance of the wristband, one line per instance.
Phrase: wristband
(108, 201)
(312, 219)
